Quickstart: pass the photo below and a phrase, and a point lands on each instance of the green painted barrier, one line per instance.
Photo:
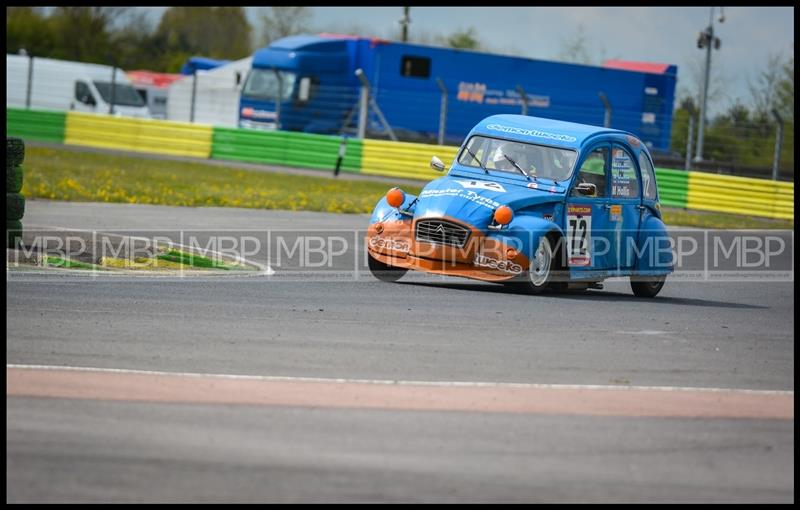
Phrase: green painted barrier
(285, 148)
(673, 187)
(42, 125)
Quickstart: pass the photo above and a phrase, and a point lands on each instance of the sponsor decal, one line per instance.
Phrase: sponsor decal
(471, 92)
(502, 265)
(388, 242)
(548, 217)
(257, 114)
(623, 175)
(579, 235)
(533, 185)
(648, 118)
(651, 91)
(531, 132)
(465, 194)
(491, 186)
(615, 213)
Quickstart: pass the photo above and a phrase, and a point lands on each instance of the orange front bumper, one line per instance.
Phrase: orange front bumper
(482, 258)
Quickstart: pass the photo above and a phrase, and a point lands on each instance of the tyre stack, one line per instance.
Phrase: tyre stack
(15, 202)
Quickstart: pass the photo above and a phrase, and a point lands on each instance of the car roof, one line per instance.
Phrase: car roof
(539, 130)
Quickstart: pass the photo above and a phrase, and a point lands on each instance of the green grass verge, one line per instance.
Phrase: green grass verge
(63, 174)
(72, 264)
(193, 260)
(705, 219)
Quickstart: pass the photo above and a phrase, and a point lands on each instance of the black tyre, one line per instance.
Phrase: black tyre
(15, 206)
(384, 272)
(13, 179)
(15, 151)
(647, 287)
(14, 231)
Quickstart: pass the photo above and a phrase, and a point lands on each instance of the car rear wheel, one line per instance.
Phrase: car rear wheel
(384, 272)
(647, 287)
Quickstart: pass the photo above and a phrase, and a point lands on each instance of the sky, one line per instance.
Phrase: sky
(749, 35)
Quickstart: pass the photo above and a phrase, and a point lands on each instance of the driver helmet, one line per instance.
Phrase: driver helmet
(514, 151)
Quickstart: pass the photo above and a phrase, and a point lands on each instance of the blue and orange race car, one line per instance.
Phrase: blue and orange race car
(532, 202)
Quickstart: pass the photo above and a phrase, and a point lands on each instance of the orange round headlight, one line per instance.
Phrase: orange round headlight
(503, 215)
(395, 197)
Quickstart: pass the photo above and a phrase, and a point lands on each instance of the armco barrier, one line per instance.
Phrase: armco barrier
(402, 159)
(285, 148)
(740, 195)
(673, 187)
(141, 135)
(39, 125)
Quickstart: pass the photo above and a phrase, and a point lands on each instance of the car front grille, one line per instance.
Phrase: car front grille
(442, 232)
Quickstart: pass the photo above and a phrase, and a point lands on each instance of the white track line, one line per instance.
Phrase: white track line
(402, 383)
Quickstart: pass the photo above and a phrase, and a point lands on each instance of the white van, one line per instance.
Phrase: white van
(65, 85)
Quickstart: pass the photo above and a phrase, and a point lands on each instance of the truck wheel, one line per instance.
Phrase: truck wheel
(647, 287)
(384, 272)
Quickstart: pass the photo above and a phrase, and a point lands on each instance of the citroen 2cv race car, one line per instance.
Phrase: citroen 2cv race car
(533, 202)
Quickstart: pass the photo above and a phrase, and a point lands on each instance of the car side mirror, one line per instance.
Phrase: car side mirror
(437, 164)
(88, 99)
(587, 188)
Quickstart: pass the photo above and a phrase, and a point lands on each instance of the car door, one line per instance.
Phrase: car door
(587, 237)
(624, 213)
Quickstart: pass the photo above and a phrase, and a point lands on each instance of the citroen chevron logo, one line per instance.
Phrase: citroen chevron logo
(439, 229)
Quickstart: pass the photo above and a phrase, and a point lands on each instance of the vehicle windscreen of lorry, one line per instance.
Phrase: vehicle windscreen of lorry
(124, 94)
(264, 83)
(507, 156)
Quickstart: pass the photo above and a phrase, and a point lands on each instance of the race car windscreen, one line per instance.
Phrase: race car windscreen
(519, 158)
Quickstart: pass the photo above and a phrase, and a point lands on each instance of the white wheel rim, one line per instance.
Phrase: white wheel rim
(540, 265)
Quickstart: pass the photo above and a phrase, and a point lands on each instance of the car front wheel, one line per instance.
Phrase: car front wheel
(543, 267)
(647, 287)
(384, 272)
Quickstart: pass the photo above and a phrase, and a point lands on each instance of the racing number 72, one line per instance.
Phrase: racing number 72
(579, 235)
(578, 227)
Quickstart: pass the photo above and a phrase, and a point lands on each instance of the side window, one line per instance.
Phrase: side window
(593, 171)
(648, 177)
(415, 67)
(82, 92)
(624, 182)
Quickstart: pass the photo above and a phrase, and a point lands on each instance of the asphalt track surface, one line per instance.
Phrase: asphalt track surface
(339, 326)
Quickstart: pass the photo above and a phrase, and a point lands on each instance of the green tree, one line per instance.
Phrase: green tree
(464, 39)
(280, 22)
(84, 33)
(135, 44)
(764, 91)
(785, 90)
(215, 32)
(29, 29)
